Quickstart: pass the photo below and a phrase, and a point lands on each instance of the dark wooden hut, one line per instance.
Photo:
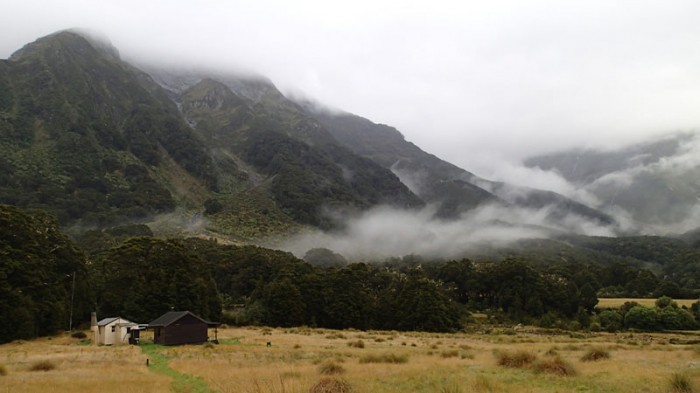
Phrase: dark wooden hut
(181, 327)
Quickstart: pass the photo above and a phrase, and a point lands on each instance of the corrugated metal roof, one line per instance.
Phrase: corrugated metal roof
(107, 321)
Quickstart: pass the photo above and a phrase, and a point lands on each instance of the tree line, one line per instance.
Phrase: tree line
(127, 272)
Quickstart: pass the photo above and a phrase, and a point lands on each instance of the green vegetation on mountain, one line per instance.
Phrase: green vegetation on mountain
(85, 136)
(292, 156)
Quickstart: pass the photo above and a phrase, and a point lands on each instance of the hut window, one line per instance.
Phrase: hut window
(113, 328)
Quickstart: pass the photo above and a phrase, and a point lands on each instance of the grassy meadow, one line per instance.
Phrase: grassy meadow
(321, 360)
(618, 302)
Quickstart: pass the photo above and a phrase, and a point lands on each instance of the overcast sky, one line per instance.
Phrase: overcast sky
(470, 81)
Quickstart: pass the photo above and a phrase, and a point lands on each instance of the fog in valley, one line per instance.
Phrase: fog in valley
(484, 86)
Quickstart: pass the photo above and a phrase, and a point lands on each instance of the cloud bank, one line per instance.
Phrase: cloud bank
(386, 232)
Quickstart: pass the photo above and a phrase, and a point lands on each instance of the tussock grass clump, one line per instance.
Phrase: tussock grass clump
(333, 336)
(79, 335)
(519, 359)
(483, 384)
(681, 383)
(696, 350)
(3, 370)
(595, 355)
(556, 366)
(42, 365)
(450, 353)
(551, 352)
(384, 358)
(330, 368)
(356, 344)
(331, 385)
(451, 389)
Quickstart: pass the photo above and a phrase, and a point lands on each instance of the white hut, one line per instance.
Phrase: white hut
(115, 330)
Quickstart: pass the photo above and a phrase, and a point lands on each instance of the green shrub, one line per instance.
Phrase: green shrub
(519, 359)
(42, 365)
(79, 335)
(384, 358)
(595, 354)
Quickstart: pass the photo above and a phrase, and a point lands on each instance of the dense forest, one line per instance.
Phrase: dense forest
(49, 282)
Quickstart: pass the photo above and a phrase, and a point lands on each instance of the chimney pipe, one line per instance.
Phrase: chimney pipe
(93, 327)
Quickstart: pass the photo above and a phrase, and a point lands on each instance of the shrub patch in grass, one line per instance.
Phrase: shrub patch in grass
(449, 353)
(330, 368)
(681, 383)
(556, 366)
(595, 354)
(331, 385)
(519, 359)
(384, 358)
(356, 344)
(42, 365)
(3, 370)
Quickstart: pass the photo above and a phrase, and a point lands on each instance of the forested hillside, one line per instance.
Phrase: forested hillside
(130, 273)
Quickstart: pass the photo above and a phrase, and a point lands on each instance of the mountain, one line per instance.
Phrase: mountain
(88, 137)
(653, 185)
(94, 140)
(453, 189)
(99, 142)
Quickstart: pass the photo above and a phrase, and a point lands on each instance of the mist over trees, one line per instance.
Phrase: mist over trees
(129, 273)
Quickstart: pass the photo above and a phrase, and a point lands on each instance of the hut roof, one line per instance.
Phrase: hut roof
(171, 317)
(107, 321)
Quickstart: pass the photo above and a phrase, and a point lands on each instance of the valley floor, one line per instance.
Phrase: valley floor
(365, 362)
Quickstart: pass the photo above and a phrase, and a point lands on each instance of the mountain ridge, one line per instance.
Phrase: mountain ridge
(231, 150)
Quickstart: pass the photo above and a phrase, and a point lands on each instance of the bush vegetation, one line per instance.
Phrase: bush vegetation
(519, 359)
(595, 355)
(331, 385)
(42, 365)
(330, 368)
(556, 366)
(384, 358)
(681, 383)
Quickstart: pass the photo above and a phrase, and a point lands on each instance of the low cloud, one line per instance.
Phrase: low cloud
(387, 232)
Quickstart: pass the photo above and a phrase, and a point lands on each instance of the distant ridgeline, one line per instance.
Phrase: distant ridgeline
(45, 278)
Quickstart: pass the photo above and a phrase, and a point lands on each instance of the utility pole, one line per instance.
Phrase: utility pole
(72, 296)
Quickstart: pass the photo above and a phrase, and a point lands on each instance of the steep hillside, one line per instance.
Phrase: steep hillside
(94, 140)
(655, 184)
(87, 137)
(452, 189)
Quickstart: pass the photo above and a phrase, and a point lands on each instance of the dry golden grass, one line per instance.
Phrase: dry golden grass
(296, 361)
(78, 368)
(618, 302)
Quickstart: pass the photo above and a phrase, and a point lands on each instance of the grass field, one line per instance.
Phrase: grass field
(618, 302)
(303, 359)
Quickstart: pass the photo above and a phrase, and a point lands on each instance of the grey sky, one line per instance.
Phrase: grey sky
(473, 82)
